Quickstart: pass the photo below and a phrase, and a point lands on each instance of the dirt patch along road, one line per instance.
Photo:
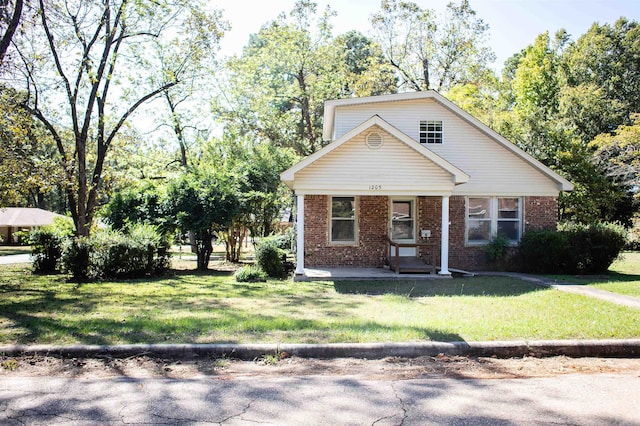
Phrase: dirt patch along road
(271, 366)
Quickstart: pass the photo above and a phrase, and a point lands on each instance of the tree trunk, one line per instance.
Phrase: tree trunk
(5, 41)
(204, 250)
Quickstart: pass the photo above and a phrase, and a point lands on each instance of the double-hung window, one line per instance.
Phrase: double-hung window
(431, 131)
(343, 220)
(488, 217)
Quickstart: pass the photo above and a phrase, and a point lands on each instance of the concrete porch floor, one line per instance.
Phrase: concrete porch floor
(331, 274)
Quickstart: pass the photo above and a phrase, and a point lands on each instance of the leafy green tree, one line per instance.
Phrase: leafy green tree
(432, 52)
(260, 195)
(276, 89)
(85, 66)
(28, 160)
(202, 202)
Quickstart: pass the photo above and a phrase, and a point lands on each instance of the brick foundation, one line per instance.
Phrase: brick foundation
(370, 249)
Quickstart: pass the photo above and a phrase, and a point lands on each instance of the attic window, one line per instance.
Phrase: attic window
(374, 140)
(431, 131)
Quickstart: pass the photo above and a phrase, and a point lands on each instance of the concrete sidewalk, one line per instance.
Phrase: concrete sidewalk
(15, 258)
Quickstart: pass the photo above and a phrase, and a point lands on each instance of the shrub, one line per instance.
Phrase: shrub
(46, 250)
(282, 241)
(269, 258)
(543, 252)
(250, 274)
(496, 250)
(594, 247)
(575, 249)
(114, 254)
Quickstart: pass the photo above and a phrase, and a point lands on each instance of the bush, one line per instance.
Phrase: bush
(543, 252)
(47, 244)
(250, 274)
(496, 250)
(269, 258)
(282, 241)
(594, 247)
(114, 254)
(46, 250)
(575, 249)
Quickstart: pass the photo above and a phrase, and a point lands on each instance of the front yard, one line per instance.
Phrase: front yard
(207, 308)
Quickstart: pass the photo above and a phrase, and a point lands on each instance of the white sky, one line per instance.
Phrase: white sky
(514, 24)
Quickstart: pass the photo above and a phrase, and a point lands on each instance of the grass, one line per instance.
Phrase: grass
(9, 250)
(623, 277)
(204, 308)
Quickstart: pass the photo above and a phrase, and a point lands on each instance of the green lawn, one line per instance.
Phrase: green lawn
(205, 308)
(625, 277)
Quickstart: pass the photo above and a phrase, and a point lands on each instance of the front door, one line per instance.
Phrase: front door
(403, 225)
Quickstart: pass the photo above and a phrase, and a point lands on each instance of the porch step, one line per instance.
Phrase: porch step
(412, 265)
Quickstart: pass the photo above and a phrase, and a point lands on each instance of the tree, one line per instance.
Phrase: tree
(84, 67)
(28, 158)
(276, 89)
(201, 202)
(430, 52)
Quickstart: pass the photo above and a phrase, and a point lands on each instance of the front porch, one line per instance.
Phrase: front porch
(370, 274)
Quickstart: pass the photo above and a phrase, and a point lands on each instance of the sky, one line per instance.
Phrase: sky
(514, 24)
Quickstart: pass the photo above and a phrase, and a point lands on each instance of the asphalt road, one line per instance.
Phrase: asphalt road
(321, 400)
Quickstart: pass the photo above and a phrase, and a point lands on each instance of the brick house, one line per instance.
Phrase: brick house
(412, 176)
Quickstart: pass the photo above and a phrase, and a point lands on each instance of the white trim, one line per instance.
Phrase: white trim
(328, 129)
(493, 219)
(300, 235)
(444, 240)
(459, 176)
(348, 243)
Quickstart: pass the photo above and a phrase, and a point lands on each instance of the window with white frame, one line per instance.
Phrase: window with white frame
(343, 220)
(431, 131)
(488, 217)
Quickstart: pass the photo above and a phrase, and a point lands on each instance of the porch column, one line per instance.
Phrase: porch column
(300, 235)
(444, 242)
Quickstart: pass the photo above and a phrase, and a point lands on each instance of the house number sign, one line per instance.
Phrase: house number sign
(375, 187)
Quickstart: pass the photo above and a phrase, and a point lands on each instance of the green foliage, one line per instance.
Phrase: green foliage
(269, 258)
(543, 252)
(575, 249)
(496, 250)
(250, 274)
(47, 243)
(114, 254)
(139, 203)
(594, 247)
(430, 51)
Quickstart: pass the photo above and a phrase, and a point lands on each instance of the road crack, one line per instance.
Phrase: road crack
(402, 407)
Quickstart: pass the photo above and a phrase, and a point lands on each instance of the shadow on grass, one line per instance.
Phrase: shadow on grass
(477, 286)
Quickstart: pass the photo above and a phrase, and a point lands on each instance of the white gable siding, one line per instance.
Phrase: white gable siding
(355, 169)
(492, 168)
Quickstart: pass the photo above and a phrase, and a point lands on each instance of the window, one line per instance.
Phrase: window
(431, 131)
(343, 219)
(491, 216)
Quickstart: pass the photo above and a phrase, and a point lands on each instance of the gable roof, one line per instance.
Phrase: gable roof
(331, 105)
(458, 176)
(26, 217)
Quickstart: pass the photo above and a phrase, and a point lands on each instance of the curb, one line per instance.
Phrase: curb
(503, 349)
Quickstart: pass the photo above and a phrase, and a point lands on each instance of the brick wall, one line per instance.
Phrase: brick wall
(370, 248)
(540, 213)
